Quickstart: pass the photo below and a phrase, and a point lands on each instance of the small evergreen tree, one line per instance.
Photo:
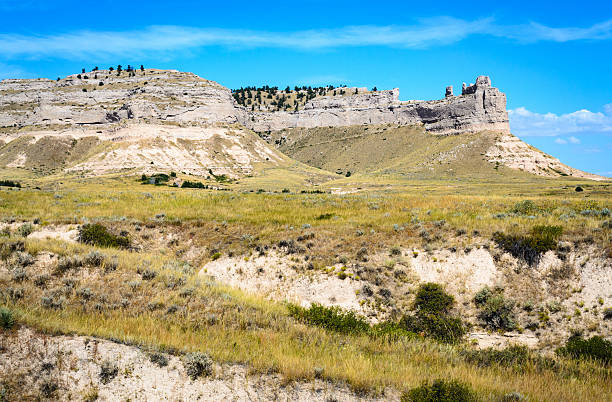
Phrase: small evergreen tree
(142, 68)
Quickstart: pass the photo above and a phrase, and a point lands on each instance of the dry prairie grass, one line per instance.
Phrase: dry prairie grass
(233, 326)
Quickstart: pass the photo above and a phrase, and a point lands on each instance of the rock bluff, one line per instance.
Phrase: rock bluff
(102, 98)
(479, 107)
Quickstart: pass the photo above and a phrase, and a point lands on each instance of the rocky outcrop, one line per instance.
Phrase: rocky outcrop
(480, 107)
(103, 97)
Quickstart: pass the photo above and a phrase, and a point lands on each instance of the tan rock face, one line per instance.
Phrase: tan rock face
(483, 108)
(103, 97)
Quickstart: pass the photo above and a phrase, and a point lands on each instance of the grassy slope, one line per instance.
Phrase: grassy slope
(402, 151)
(260, 333)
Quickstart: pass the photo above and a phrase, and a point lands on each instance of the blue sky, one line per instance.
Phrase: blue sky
(552, 59)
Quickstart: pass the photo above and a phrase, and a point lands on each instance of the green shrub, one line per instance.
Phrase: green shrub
(7, 319)
(496, 312)
(215, 256)
(330, 318)
(157, 179)
(596, 348)
(440, 391)
(526, 207)
(9, 183)
(198, 364)
(481, 297)
(159, 359)
(440, 327)
(432, 305)
(108, 371)
(98, 235)
(9, 246)
(431, 298)
(193, 184)
(25, 230)
(530, 248)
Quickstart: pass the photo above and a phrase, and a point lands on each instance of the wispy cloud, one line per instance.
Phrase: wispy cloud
(425, 33)
(529, 124)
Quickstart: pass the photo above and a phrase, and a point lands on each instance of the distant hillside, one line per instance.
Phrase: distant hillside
(411, 151)
(145, 120)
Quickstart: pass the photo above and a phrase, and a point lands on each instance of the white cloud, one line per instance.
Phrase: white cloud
(529, 124)
(560, 141)
(425, 33)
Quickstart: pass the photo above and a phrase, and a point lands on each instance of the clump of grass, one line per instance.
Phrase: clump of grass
(516, 357)
(530, 248)
(596, 348)
(197, 364)
(330, 318)
(53, 300)
(159, 359)
(440, 391)
(64, 264)
(108, 371)
(9, 246)
(25, 230)
(496, 312)
(7, 318)
(98, 235)
(95, 258)
(525, 207)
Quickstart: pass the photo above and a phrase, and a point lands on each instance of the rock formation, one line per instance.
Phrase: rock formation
(480, 107)
(103, 97)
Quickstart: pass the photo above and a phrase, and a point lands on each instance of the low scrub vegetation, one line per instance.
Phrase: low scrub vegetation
(198, 364)
(7, 319)
(432, 317)
(441, 391)
(530, 248)
(330, 318)
(193, 184)
(156, 179)
(596, 348)
(98, 235)
(495, 311)
(9, 183)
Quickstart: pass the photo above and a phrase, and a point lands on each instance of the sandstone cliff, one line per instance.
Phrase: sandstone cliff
(103, 97)
(152, 119)
(481, 107)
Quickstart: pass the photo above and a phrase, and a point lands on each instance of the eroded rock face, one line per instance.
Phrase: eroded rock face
(480, 107)
(103, 97)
